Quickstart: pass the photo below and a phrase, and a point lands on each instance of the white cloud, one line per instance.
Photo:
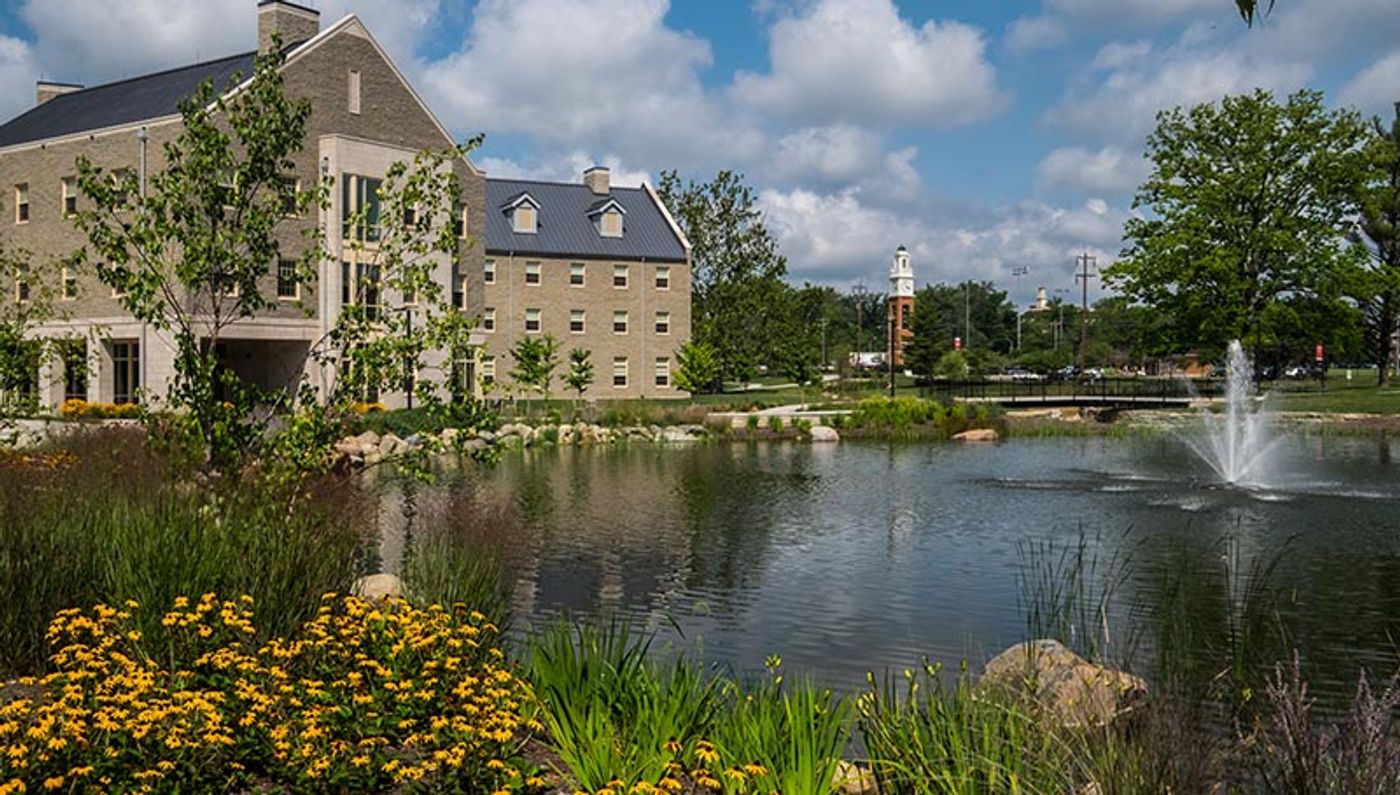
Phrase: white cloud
(1317, 29)
(17, 75)
(1118, 97)
(857, 61)
(1376, 89)
(565, 168)
(1106, 170)
(1034, 33)
(1060, 19)
(836, 239)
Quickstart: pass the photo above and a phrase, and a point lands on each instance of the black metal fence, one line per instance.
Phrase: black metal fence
(1101, 390)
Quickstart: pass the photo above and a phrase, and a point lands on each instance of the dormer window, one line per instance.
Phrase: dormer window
(607, 217)
(524, 214)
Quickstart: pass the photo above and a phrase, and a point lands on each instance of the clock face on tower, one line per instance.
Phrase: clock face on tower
(901, 275)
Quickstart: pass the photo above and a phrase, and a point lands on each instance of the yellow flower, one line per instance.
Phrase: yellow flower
(53, 783)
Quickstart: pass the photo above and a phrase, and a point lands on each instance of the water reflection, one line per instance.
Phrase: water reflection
(860, 557)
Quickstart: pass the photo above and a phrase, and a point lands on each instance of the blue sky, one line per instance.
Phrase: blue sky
(982, 134)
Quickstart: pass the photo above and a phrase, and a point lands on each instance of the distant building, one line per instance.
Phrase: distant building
(901, 305)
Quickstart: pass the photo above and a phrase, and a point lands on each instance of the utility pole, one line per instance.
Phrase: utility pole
(1084, 274)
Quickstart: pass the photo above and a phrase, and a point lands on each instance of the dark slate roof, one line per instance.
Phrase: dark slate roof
(566, 230)
(123, 102)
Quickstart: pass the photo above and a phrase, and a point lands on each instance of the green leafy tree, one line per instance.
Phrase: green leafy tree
(580, 375)
(536, 359)
(28, 299)
(952, 366)
(697, 368)
(1375, 284)
(1244, 206)
(191, 256)
(737, 271)
(981, 315)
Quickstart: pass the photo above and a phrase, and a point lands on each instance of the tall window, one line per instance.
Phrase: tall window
(488, 319)
(663, 277)
(620, 321)
(619, 371)
(576, 321)
(488, 274)
(620, 276)
(69, 189)
(22, 203)
(459, 296)
(126, 370)
(663, 371)
(488, 370)
(288, 287)
(459, 222)
(290, 187)
(359, 194)
(532, 273)
(904, 317)
(353, 92)
(360, 285)
(75, 370)
(22, 285)
(532, 321)
(70, 284)
(576, 272)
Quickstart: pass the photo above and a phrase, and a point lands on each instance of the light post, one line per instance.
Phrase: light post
(1018, 272)
(859, 290)
(1060, 324)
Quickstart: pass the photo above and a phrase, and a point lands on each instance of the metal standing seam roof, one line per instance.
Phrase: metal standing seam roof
(565, 228)
(123, 102)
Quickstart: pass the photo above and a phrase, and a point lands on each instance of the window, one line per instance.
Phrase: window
(22, 203)
(119, 178)
(69, 189)
(360, 285)
(410, 217)
(289, 187)
(288, 286)
(904, 317)
(663, 322)
(611, 224)
(463, 377)
(532, 321)
(663, 277)
(576, 321)
(525, 219)
(459, 296)
(488, 275)
(75, 369)
(576, 271)
(620, 321)
(620, 276)
(410, 296)
(22, 286)
(126, 370)
(488, 370)
(663, 371)
(619, 371)
(488, 319)
(353, 99)
(70, 285)
(359, 207)
(459, 222)
(532, 273)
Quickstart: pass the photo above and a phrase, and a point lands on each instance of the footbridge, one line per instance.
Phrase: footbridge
(1124, 393)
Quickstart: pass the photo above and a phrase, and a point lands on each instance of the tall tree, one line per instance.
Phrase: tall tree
(1244, 206)
(697, 369)
(1375, 286)
(580, 375)
(536, 359)
(737, 270)
(978, 313)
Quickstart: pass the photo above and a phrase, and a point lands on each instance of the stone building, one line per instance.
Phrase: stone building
(365, 116)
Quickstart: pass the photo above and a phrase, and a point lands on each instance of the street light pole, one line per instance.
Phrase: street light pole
(859, 290)
(1018, 272)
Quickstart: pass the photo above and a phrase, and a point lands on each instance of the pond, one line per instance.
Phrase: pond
(860, 557)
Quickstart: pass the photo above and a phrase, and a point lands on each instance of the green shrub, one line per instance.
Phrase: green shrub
(751, 421)
(803, 426)
(775, 424)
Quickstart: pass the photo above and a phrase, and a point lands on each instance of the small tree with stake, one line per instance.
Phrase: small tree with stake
(580, 375)
(536, 359)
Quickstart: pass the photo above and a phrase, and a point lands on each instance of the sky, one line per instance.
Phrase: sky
(985, 135)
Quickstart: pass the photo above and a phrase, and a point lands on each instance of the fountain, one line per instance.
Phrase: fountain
(1238, 441)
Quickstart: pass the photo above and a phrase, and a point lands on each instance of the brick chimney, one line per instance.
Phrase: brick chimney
(598, 180)
(296, 23)
(45, 90)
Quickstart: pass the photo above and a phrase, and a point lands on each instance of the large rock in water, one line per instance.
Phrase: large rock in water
(977, 435)
(824, 433)
(1070, 689)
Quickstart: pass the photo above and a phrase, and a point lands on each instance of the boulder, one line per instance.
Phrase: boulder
(378, 586)
(674, 434)
(349, 447)
(475, 445)
(824, 433)
(391, 445)
(977, 435)
(487, 436)
(1071, 690)
(852, 779)
(367, 440)
(449, 436)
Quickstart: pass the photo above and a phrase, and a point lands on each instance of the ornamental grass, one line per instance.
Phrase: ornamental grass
(368, 697)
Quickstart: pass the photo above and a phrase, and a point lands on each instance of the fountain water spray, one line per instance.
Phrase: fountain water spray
(1238, 441)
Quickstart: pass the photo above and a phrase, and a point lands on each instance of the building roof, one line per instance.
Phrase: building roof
(565, 228)
(127, 101)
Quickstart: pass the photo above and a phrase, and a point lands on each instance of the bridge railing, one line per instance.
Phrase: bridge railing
(1048, 390)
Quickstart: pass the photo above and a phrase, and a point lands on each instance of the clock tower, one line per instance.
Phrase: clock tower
(901, 305)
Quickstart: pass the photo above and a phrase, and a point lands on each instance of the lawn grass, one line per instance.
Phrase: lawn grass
(1338, 398)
